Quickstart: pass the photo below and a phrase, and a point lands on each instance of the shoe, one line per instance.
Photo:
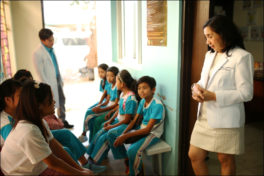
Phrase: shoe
(83, 138)
(67, 125)
(95, 168)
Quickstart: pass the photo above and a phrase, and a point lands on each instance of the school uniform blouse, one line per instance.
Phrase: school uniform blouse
(127, 105)
(101, 89)
(112, 92)
(154, 110)
(6, 126)
(24, 150)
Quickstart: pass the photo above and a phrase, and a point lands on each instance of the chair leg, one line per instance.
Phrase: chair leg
(160, 163)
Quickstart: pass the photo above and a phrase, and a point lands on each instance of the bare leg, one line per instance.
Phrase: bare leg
(228, 164)
(197, 156)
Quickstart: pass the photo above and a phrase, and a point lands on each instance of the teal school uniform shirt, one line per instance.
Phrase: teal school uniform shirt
(105, 87)
(127, 104)
(112, 92)
(154, 110)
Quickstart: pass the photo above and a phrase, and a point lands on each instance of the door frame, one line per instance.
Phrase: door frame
(194, 15)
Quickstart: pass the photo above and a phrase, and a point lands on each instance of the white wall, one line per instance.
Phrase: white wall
(164, 64)
(26, 17)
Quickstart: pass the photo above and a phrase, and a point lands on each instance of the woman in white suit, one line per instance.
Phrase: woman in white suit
(226, 83)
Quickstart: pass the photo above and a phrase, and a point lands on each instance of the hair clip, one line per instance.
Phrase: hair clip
(36, 85)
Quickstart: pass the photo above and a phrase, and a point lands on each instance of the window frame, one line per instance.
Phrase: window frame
(121, 44)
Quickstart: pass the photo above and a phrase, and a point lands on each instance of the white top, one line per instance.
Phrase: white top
(216, 61)
(24, 150)
(231, 80)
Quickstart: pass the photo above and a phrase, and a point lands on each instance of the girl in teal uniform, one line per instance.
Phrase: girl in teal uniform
(145, 135)
(102, 68)
(110, 103)
(99, 147)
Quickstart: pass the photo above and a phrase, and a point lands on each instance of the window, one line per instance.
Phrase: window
(129, 31)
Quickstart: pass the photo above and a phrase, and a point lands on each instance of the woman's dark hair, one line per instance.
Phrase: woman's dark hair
(45, 34)
(228, 31)
(125, 77)
(113, 69)
(148, 80)
(8, 89)
(22, 73)
(31, 97)
(104, 67)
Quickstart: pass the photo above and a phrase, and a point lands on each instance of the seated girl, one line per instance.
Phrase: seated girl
(54, 123)
(99, 147)
(104, 84)
(110, 103)
(64, 136)
(30, 148)
(149, 132)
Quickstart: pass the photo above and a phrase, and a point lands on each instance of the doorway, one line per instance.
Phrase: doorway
(75, 26)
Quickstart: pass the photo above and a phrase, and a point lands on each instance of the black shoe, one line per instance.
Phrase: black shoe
(67, 125)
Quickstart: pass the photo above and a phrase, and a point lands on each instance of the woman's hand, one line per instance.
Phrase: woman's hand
(208, 95)
(197, 93)
(120, 140)
(96, 109)
(200, 94)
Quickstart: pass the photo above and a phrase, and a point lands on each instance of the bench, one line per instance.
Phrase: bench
(157, 150)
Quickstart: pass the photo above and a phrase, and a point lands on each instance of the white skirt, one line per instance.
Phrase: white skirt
(219, 140)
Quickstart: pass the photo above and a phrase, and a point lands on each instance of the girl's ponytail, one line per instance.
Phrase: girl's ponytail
(134, 89)
(130, 82)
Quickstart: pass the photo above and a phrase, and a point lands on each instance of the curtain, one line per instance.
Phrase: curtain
(5, 66)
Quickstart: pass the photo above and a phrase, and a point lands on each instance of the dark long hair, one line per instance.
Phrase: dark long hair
(125, 77)
(7, 89)
(114, 70)
(104, 67)
(31, 97)
(22, 76)
(228, 31)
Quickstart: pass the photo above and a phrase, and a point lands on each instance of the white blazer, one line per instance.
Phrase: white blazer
(232, 82)
(46, 71)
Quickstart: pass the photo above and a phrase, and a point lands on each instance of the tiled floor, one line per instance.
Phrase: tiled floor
(82, 93)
